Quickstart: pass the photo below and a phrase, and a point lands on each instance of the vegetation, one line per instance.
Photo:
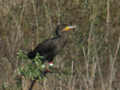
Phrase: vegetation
(90, 61)
(31, 70)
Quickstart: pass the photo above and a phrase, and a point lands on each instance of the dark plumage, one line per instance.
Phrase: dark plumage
(50, 47)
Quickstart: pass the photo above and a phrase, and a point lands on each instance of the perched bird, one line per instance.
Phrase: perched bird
(51, 47)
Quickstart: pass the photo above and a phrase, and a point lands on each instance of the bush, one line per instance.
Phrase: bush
(33, 69)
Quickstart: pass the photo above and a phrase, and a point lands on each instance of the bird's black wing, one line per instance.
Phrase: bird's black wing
(47, 49)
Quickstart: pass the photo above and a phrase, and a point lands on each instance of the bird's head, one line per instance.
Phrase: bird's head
(64, 28)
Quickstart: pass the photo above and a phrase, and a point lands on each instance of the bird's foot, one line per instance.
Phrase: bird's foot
(47, 70)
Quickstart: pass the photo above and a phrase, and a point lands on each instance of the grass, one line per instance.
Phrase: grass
(92, 53)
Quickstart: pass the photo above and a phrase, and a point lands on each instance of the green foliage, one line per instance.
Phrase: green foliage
(21, 55)
(33, 69)
(4, 86)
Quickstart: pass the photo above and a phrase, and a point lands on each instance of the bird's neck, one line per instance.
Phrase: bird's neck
(62, 40)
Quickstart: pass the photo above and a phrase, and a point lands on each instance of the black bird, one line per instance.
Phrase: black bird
(51, 47)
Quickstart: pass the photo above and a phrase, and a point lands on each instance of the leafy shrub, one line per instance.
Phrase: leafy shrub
(33, 69)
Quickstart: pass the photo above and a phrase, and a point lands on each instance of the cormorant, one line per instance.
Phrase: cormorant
(51, 47)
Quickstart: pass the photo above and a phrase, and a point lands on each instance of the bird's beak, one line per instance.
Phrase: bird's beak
(68, 28)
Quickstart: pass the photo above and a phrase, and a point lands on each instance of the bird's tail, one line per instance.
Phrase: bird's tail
(31, 54)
